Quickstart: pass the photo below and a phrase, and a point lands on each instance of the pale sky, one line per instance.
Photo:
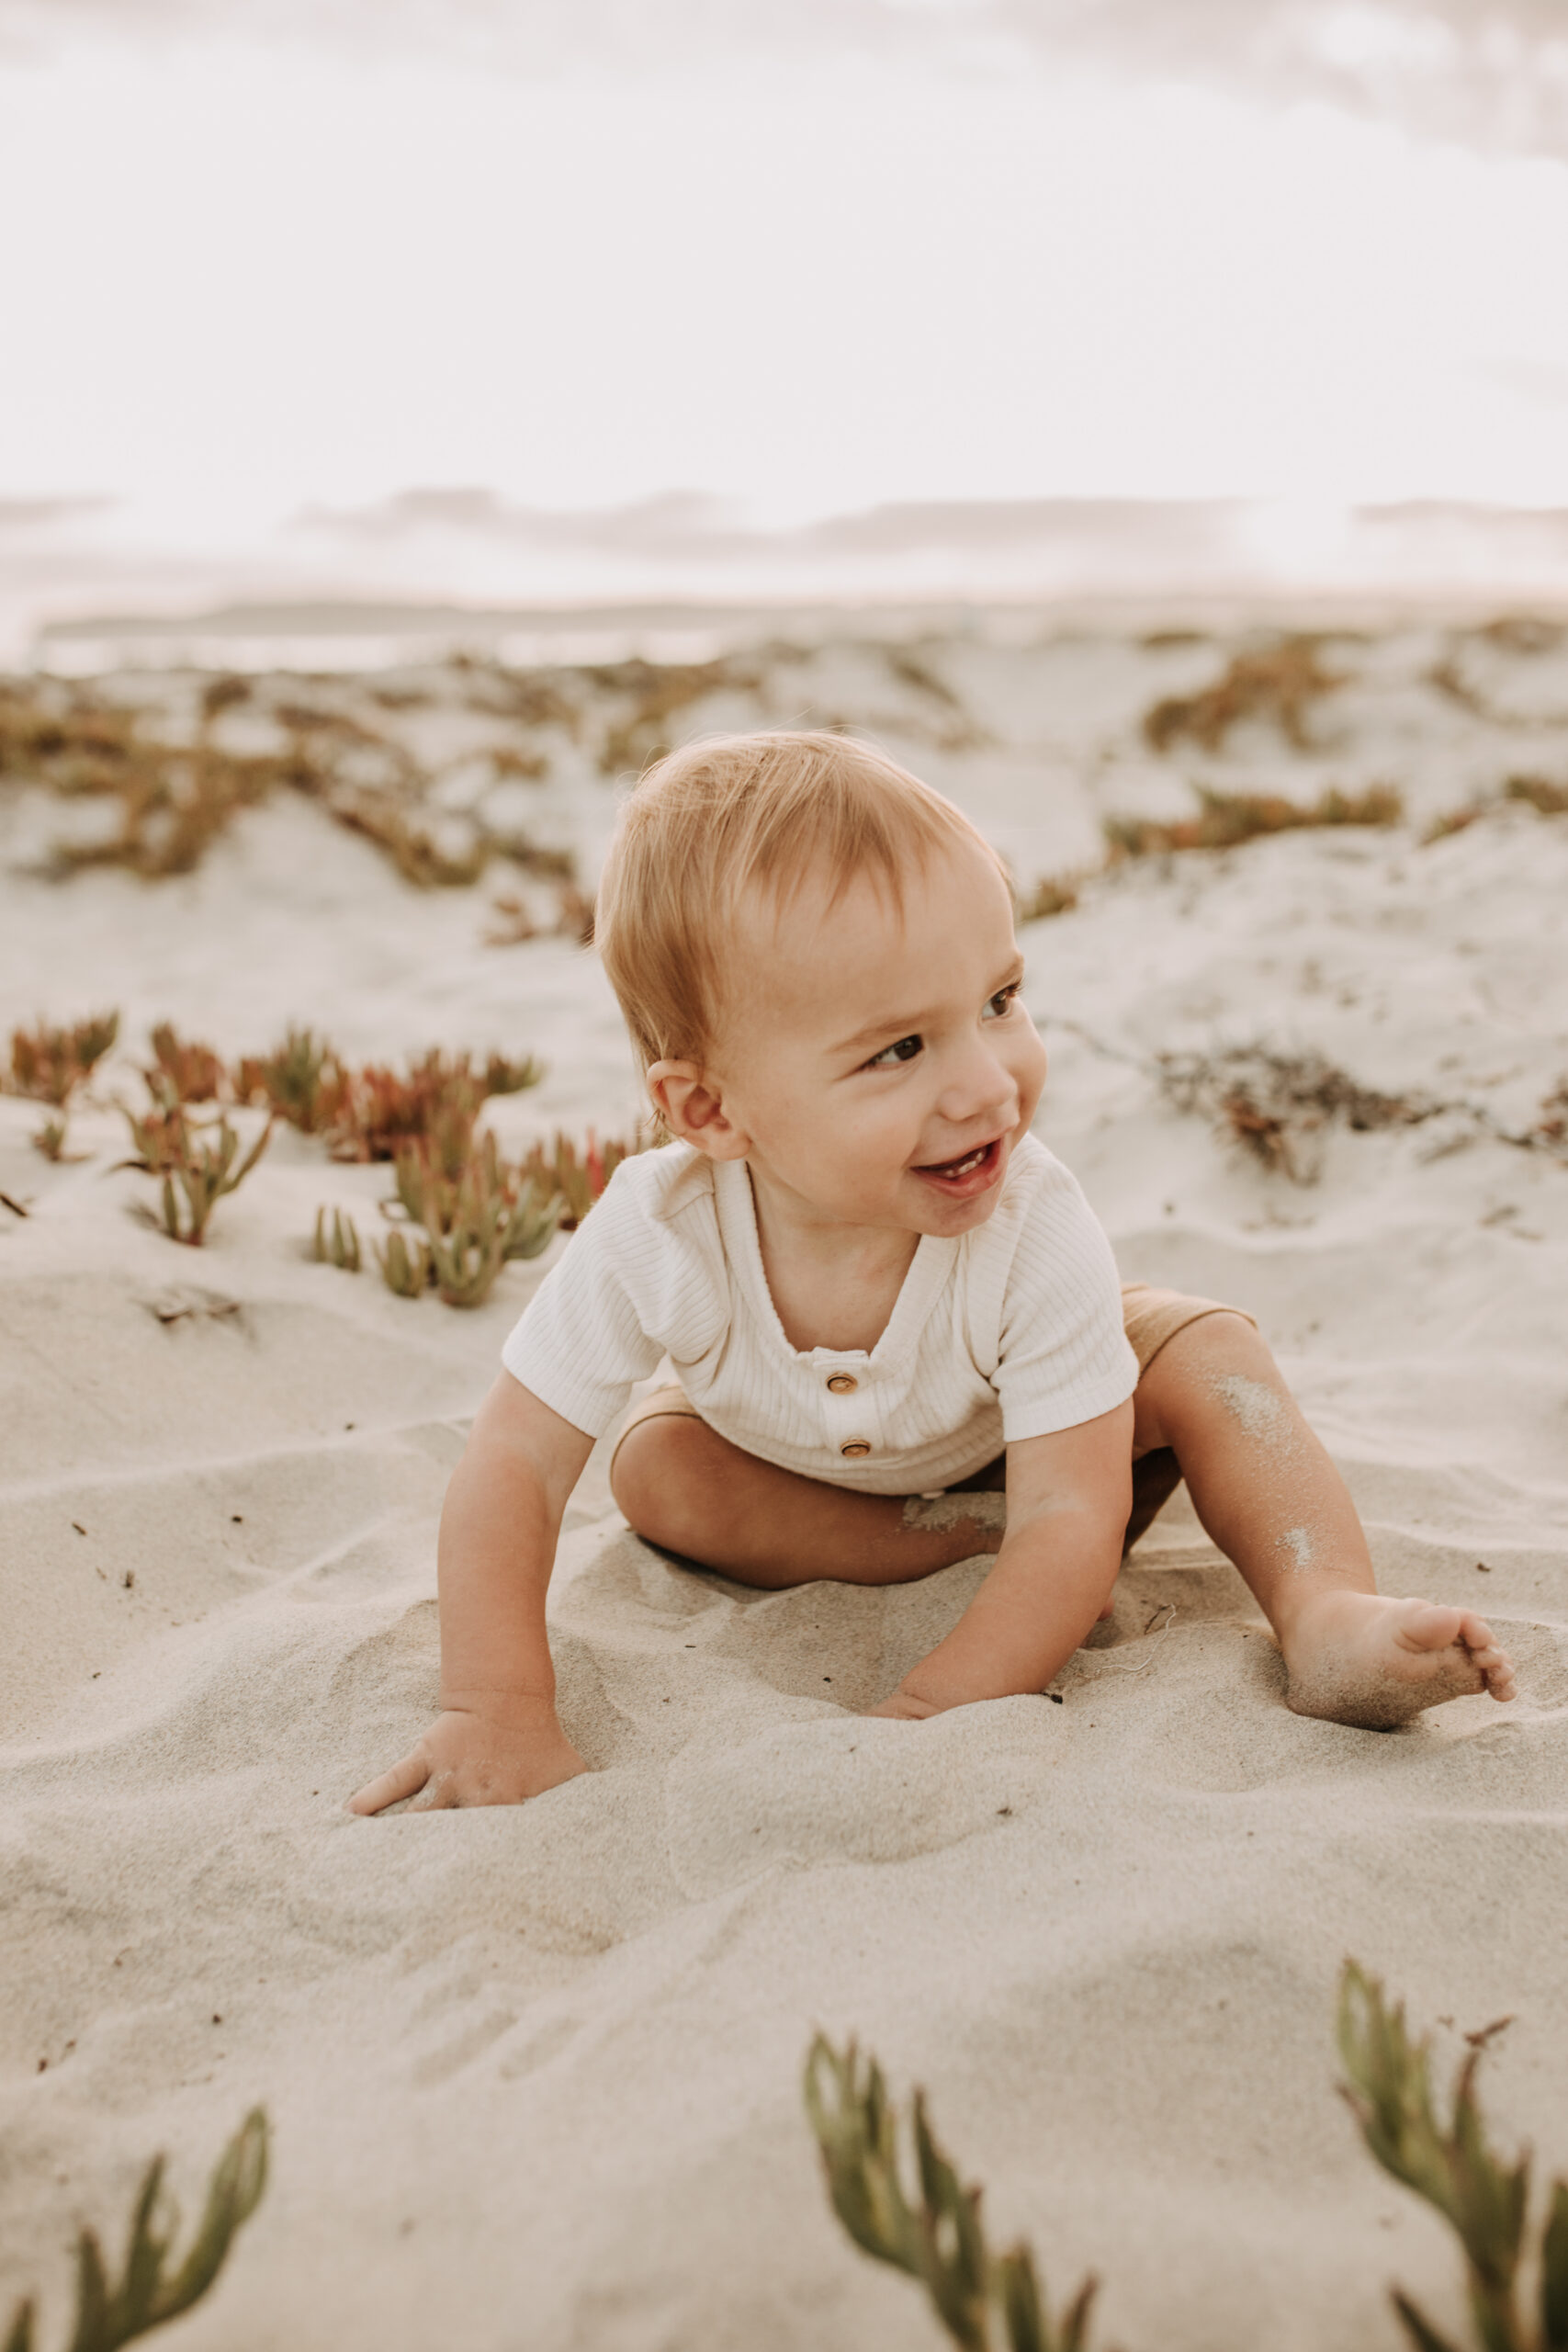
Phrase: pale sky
(266, 261)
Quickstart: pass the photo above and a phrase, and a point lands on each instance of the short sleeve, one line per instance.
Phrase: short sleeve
(580, 1343)
(1064, 1357)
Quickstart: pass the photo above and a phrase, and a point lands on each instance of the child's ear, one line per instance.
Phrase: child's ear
(688, 1100)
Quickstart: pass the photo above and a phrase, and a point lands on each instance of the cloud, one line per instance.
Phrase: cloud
(1491, 73)
(686, 527)
(21, 516)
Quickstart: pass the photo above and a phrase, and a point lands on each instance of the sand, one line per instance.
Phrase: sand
(534, 2073)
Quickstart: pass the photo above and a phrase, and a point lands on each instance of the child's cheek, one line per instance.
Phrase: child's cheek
(1029, 1070)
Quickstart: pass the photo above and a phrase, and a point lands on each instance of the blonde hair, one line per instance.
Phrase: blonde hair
(718, 817)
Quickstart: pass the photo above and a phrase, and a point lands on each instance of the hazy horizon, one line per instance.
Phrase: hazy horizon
(505, 300)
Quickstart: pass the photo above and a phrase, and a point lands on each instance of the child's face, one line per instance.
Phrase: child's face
(881, 1069)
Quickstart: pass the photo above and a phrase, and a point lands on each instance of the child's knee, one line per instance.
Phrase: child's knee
(1190, 1376)
(651, 1474)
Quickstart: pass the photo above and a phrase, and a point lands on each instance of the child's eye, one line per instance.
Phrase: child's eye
(904, 1051)
(1004, 999)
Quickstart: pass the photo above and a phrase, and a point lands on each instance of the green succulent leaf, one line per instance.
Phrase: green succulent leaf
(1555, 2272)
(940, 2241)
(1420, 2329)
(109, 2314)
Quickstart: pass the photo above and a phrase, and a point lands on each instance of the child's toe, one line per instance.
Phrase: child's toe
(1426, 1625)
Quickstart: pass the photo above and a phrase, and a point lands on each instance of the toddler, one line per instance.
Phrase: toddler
(874, 1286)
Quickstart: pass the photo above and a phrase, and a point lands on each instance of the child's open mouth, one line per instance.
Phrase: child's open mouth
(975, 1172)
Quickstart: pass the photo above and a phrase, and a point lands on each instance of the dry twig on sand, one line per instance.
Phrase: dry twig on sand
(110, 2312)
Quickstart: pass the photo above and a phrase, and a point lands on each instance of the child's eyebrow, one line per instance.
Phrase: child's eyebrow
(905, 1025)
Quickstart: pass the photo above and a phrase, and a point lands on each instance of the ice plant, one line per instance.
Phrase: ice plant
(148, 2294)
(49, 1064)
(183, 1071)
(936, 2236)
(1484, 2200)
(405, 1264)
(579, 1180)
(337, 1244)
(203, 1162)
(380, 1110)
(302, 1081)
(474, 1220)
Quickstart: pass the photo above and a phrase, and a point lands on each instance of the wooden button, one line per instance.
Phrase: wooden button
(855, 1448)
(843, 1384)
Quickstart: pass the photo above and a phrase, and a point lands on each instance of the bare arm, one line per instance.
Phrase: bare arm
(1068, 1500)
(499, 1739)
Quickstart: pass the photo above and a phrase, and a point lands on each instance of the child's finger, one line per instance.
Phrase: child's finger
(391, 1787)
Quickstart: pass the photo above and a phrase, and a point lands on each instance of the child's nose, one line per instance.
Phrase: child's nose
(982, 1087)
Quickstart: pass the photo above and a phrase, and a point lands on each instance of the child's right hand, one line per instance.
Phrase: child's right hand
(479, 1755)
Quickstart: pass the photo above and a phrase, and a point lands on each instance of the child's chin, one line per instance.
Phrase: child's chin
(940, 1214)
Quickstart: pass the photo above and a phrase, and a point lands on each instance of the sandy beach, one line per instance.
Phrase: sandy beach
(534, 2075)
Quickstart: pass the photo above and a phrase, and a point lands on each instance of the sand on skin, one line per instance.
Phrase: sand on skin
(534, 2073)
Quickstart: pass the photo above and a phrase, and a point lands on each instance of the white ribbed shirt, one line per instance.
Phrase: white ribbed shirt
(1007, 1332)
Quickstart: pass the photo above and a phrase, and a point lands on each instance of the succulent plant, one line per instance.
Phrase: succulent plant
(1484, 2200)
(936, 2237)
(475, 1220)
(202, 1161)
(337, 1244)
(110, 2312)
(49, 1064)
(405, 1263)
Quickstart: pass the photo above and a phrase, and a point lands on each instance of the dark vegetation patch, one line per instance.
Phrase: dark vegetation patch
(48, 1064)
(1277, 685)
(650, 694)
(1054, 894)
(1536, 792)
(1225, 819)
(1280, 1108)
(172, 799)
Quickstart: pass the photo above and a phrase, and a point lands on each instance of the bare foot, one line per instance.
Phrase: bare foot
(1358, 1657)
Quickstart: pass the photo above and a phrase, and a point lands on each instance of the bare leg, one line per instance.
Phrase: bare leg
(1272, 1500)
(685, 1487)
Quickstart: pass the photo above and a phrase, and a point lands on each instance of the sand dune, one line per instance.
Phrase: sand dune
(534, 2073)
